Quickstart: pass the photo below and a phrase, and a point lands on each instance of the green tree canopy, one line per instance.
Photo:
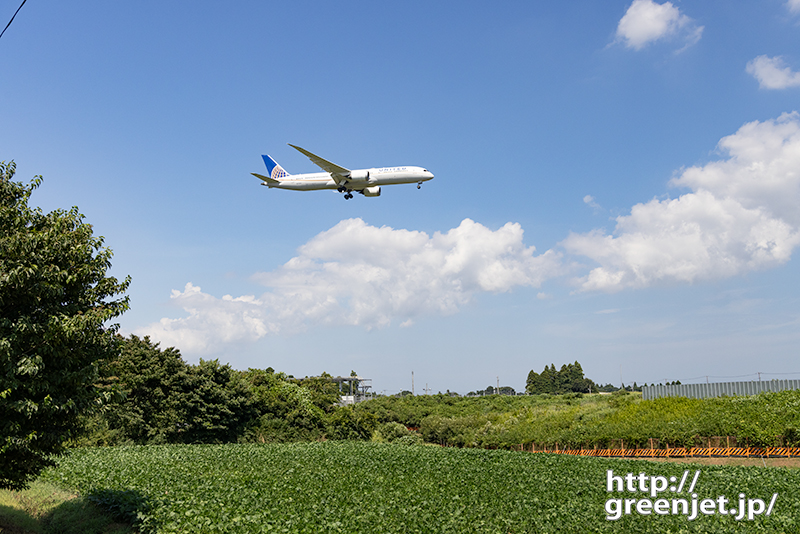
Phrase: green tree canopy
(169, 401)
(568, 379)
(55, 301)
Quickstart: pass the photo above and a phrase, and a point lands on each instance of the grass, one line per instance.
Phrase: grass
(46, 509)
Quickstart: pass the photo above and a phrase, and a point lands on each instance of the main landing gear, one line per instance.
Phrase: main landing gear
(348, 193)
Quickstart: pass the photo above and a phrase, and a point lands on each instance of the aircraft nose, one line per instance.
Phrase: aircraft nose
(428, 175)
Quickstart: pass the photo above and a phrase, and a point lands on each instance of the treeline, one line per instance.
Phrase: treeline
(159, 398)
(156, 397)
(568, 379)
(576, 420)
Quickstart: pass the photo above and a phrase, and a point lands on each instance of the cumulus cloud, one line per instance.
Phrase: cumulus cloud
(740, 216)
(646, 22)
(211, 321)
(362, 275)
(772, 73)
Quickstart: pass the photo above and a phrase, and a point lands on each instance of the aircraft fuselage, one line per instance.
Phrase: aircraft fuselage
(368, 182)
(366, 178)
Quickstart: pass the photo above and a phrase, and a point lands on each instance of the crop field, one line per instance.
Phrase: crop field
(371, 487)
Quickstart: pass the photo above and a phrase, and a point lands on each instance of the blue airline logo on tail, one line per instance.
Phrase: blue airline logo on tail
(276, 172)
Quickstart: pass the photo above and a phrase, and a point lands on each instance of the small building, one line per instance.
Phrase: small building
(352, 389)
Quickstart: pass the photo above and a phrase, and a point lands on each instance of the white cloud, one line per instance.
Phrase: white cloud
(793, 6)
(211, 321)
(362, 275)
(763, 170)
(646, 22)
(771, 72)
(589, 200)
(741, 216)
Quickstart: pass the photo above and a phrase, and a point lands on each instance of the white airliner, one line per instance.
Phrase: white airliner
(368, 182)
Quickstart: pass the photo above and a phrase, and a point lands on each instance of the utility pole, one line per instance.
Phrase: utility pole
(412, 383)
(498, 385)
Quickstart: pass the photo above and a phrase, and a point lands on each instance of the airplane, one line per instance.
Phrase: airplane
(368, 182)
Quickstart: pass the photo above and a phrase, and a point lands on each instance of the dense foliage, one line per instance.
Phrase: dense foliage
(594, 421)
(568, 379)
(166, 400)
(369, 487)
(55, 301)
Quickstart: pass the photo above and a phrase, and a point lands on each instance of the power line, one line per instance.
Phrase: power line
(12, 18)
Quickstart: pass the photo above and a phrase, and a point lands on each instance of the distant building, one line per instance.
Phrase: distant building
(352, 389)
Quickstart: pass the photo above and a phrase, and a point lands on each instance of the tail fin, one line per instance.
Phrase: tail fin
(276, 172)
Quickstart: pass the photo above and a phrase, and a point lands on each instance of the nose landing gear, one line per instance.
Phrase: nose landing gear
(419, 185)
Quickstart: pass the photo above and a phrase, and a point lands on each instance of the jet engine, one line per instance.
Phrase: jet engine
(374, 191)
(358, 176)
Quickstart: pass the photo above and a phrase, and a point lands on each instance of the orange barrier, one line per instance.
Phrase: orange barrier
(684, 452)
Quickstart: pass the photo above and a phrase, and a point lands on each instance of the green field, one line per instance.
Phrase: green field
(372, 487)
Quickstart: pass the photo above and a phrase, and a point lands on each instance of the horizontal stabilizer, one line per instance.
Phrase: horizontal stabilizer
(264, 178)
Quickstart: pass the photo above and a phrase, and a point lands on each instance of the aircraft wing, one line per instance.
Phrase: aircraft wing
(339, 174)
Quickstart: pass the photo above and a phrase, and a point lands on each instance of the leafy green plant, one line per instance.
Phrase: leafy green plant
(372, 487)
(55, 301)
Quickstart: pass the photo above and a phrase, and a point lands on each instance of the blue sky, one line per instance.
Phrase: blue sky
(616, 183)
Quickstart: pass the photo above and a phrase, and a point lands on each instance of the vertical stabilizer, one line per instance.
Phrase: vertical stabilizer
(276, 172)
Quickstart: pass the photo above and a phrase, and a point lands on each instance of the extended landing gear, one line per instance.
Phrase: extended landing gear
(419, 185)
(348, 196)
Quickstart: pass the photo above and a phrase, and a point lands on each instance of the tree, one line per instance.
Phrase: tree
(151, 379)
(285, 410)
(55, 301)
(169, 401)
(547, 380)
(216, 404)
(568, 379)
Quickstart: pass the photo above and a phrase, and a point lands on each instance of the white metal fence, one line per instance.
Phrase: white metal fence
(717, 389)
